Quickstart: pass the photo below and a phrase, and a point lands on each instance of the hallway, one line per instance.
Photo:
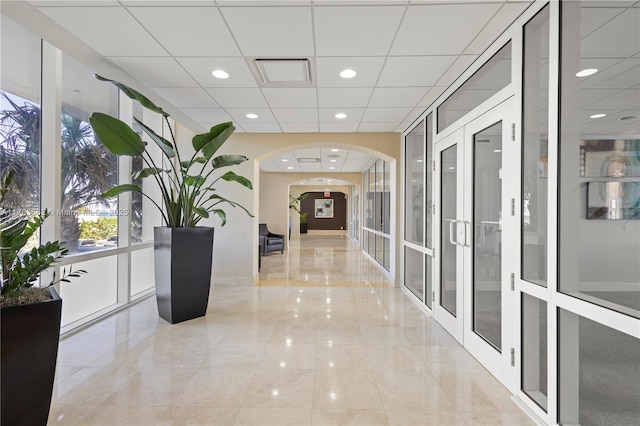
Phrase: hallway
(322, 338)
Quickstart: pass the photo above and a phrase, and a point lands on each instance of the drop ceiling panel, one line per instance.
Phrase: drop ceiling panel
(159, 72)
(505, 16)
(368, 69)
(271, 31)
(201, 69)
(239, 115)
(621, 76)
(95, 26)
(339, 127)
(327, 115)
(269, 165)
(414, 70)
(356, 155)
(431, 96)
(74, 2)
(209, 116)
(296, 115)
(291, 97)
(377, 127)
(237, 97)
(166, 2)
(613, 39)
(300, 127)
(592, 18)
(385, 115)
(262, 2)
(459, 66)
(262, 127)
(356, 31)
(186, 97)
(457, 24)
(396, 96)
(188, 31)
(344, 97)
(308, 153)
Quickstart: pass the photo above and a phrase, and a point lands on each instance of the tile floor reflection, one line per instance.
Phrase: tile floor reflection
(322, 338)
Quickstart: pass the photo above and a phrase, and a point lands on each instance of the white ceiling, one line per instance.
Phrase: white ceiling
(405, 52)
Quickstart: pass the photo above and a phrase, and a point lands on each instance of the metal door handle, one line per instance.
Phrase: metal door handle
(451, 232)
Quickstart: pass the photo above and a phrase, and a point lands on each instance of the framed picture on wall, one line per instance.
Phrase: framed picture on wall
(613, 200)
(324, 208)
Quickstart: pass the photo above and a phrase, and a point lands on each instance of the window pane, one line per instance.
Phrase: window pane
(534, 349)
(599, 194)
(599, 380)
(414, 184)
(142, 270)
(429, 182)
(370, 196)
(20, 125)
(378, 254)
(92, 292)
(386, 261)
(88, 222)
(386, 198)
(534, 148)
(413, 276)
(377, 196)
(493, 76)
(428, 280)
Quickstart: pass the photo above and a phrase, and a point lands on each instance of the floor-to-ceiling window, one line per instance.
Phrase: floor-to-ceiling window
(377, 207)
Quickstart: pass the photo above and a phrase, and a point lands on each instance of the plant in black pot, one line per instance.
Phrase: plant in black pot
(294, 204)
(303, 223)
(183, 251)
(29, 316)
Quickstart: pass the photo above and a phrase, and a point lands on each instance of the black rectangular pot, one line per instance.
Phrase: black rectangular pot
(183, 258)
(29, 351)
(303, 228)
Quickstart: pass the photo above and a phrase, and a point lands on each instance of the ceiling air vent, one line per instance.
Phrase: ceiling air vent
(283, 72)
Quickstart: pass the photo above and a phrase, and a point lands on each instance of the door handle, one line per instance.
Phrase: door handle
(451, 222)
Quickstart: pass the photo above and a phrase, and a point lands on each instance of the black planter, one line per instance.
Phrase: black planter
(183, 258)
(303, 228)
(30, 336)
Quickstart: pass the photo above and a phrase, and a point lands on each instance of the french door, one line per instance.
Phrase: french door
(478, 238)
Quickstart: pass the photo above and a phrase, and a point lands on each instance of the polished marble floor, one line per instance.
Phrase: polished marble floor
(321, 338)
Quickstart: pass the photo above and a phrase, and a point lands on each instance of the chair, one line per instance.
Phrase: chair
(269, 241)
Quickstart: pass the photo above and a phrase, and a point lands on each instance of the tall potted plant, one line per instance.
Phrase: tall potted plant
(183, 251)
(29, 317)
(294, 204)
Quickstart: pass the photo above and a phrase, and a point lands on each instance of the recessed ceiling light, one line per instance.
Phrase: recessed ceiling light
(284, 160)
(332, 161)
(418, 161)
(251, 115)
(348, 73)
(341, 115)
(335, 149)
(628, 117)
(587, 72)
(497, 150)
(598, 115)
(331, 168)
(289, 168)
(220, 74)
(452, 168)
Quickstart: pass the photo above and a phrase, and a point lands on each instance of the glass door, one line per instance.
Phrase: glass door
(489, 328)
(449, 272)
(477, 238)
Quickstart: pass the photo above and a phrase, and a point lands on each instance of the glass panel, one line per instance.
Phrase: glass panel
(448, 204)
(600, 155)
(88, 222)
(377, 197)
(20, 125)
(142, 270)
(413, 277)
(371, 249)
(599, 378)
(414, 184)
(386, 198)
(534, 349)
(136, 197)
(493, 76)
(379, 248)
(428, 280)
(370, 195)
(429, 182)
(92, 292)
(487, 234)
(385, 259)
(534, 148)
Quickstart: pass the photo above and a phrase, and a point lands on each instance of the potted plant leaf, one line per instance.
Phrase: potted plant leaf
(294, 204)
(29, 316)
(183, 251)
(303, 223)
